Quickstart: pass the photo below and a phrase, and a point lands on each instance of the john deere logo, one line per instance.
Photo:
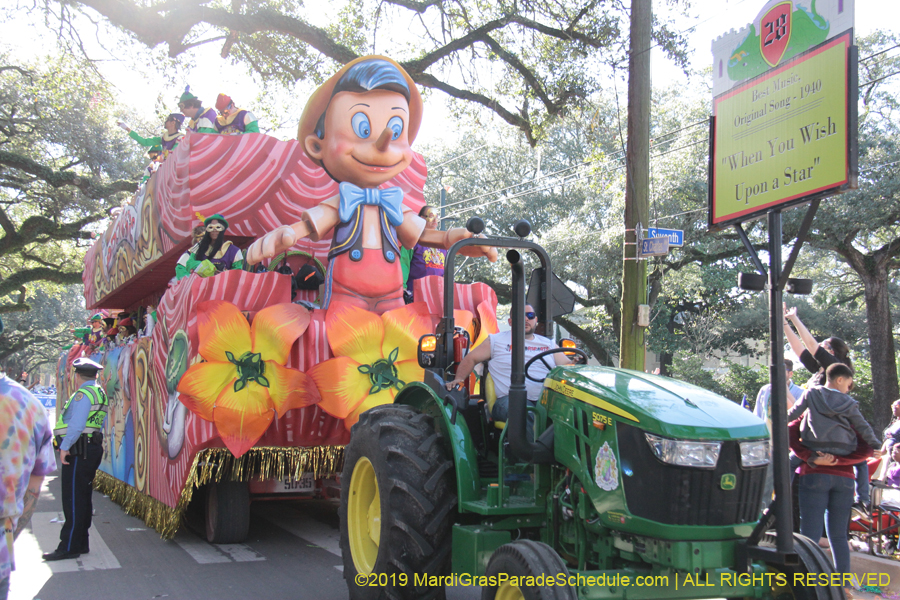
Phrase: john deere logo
(728, 481)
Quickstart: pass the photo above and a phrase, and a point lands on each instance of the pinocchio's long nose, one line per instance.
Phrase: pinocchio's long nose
(384, 139)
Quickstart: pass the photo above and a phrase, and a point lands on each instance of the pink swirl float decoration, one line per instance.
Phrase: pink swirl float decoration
(257, 182)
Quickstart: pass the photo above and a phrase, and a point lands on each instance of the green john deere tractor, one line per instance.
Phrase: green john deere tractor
(635, 486)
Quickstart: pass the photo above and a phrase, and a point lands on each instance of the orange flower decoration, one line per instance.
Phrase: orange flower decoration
(375, 356)
(243, 384)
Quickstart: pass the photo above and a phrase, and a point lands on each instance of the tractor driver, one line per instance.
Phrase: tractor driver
(498, 350)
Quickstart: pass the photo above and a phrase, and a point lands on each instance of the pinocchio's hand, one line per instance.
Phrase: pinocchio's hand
(272, 243)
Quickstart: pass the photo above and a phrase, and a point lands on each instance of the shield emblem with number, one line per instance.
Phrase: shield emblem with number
(775, 32)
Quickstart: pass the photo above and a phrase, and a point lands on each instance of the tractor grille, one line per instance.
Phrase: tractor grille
(687, 496)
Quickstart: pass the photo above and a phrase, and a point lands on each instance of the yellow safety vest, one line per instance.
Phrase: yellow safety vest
(99, 406)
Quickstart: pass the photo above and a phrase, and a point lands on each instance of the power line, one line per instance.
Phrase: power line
(871, 81)
(612, 156)
(492, 192)
(871, 56)
(450, 160)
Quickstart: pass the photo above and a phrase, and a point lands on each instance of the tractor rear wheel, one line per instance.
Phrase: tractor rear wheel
(398, 503)
(526, 558)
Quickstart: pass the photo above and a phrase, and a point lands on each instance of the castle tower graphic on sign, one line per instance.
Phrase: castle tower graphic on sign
(781, 30)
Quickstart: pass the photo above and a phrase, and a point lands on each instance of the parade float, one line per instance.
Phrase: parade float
(246, 388)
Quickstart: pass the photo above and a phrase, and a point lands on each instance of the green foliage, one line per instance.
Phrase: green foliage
(32, 341)
(738, 381)
(862, 390)
(734, 383)
(62, 165)
(690, 369)
(526, 61)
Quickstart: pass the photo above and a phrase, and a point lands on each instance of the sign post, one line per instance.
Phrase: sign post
(783, 133)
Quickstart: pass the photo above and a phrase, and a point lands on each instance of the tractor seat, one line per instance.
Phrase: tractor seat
(490, 397)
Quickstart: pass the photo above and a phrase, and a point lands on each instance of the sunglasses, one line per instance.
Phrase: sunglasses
(530, 315)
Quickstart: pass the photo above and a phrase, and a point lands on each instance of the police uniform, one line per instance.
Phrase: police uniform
(78, 431)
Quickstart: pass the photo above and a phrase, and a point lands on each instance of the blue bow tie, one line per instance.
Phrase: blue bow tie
(389, 199)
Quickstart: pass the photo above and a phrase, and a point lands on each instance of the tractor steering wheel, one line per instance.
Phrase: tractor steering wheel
(540, 356)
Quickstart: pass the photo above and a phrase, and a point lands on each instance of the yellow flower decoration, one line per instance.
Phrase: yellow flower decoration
(375, 356)
(243, 384)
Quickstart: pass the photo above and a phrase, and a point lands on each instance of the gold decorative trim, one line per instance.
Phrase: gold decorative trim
(218, 464)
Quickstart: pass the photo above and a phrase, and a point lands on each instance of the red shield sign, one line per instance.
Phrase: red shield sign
(775, 32)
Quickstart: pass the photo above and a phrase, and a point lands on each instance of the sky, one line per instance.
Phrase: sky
(145, 89)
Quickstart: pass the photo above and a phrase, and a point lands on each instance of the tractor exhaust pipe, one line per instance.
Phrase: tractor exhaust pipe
(523, 448)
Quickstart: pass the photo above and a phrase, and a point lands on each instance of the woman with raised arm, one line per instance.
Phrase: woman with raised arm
(815, 357)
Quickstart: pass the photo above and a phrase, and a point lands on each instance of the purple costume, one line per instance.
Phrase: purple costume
(205, 123)
(232, 255)
(425, 261)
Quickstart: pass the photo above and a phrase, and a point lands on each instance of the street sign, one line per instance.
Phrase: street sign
(655, 246)
(675, 236)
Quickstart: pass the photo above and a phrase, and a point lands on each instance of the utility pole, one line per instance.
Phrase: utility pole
(637, 185)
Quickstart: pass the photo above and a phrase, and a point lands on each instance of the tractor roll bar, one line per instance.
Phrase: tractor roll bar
(523, 448)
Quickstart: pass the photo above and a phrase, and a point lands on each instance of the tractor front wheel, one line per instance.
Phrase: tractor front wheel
(812, 560)
(398, 501)
(526, 558)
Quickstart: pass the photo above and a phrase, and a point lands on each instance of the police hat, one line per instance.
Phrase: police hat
(87, 367)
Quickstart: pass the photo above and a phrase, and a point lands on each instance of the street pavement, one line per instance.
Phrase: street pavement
(291, 553)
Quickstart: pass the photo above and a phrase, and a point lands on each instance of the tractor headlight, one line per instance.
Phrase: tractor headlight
(755, 454)
(685, 453)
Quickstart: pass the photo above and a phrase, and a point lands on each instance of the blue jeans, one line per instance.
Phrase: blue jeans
(825, 501)
(862, 482)
(500, 412)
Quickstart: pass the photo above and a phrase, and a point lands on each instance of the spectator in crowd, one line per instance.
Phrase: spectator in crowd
(764, 412)
(815, 356)
(826, 494)
(794, 391)
(831, 417)
(892, 432)
(25, 458)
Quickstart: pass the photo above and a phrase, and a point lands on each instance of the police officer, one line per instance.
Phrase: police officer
(78, 433)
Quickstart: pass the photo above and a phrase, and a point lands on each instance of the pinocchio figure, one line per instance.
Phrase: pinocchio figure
(359, 126)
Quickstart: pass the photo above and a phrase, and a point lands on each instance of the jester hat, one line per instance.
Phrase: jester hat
(215, 217)
(187, 95)
(222, 102)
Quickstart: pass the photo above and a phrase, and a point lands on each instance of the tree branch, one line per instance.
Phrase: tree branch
(59, 179)
(587, 338)
(19, 278)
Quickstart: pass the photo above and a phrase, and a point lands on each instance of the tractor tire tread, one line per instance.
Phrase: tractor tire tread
(417, 491)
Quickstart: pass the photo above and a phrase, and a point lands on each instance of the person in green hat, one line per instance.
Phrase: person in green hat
(213, 248)
(156, 157)
(203, 120)
(95, 335)
(167, 141)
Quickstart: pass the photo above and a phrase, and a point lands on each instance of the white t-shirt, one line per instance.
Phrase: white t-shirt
(500, 365)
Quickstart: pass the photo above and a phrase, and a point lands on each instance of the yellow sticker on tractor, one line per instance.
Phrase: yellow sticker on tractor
(572, 392)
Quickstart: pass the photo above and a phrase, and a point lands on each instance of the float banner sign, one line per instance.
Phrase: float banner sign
(783, 137)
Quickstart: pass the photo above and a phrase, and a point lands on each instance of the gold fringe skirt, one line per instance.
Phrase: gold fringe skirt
(218, 464)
